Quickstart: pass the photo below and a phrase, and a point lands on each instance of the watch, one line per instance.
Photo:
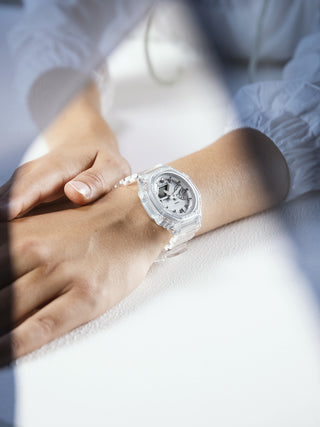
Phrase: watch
(172, 200)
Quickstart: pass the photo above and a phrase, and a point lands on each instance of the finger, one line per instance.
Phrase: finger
(39, 180)
(98, 180)
(4, 200)
(6, 353)
(8, 201)
(28, 255)
(6, 310)
(29, 293)
(6, 268)
(55, 319)
(60, 204)
(33, 183)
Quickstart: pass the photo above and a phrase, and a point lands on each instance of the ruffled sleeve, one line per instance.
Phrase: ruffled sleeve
(52, 36)
(288, 112)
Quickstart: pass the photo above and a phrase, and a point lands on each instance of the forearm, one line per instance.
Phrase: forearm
(81, 119)
(83, 163)
(239, 175)
(92, 270)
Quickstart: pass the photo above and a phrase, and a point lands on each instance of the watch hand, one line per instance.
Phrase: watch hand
(176, 190)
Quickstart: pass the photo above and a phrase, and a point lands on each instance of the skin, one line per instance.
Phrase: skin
(60, 281)
(83, 151)
(63, 278)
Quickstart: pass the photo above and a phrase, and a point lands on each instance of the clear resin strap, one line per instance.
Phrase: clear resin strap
(127, 180)
(178, 242)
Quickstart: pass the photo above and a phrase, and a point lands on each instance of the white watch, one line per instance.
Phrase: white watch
(172, 200)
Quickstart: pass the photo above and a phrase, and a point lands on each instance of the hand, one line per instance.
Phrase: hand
(73, 265)
(84, 163)
(64, 277)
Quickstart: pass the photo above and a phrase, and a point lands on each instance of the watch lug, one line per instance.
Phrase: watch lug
(177, 191)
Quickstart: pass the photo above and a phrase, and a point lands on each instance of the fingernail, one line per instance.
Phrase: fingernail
(81, 188)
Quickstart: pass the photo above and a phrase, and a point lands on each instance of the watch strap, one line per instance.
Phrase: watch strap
(178, 242)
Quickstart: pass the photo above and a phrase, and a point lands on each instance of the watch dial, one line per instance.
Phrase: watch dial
(174, 194)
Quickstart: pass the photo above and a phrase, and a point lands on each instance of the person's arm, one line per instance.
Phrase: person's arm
(55, 47)
(240, 174)
(287, 111)
(83, 161)
(73, 265)
(87, 147)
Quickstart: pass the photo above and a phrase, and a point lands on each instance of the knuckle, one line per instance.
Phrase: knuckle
(16, 344)
(37, 250)
(25, 168)
(89, 292)
(95, 179)
(45, 325)
(63, 270)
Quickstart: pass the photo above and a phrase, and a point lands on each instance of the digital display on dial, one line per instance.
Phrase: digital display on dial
(174, 194)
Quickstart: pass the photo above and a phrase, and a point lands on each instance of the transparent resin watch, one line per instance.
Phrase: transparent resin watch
(172, 200)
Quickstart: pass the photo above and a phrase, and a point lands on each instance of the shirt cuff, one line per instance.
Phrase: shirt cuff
(288, 114)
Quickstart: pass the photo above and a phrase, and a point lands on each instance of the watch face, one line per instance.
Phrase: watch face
(174, 194)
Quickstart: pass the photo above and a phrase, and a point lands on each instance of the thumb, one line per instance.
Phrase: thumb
(96, 181)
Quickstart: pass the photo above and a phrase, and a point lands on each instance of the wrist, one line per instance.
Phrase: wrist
(150, 238)
(153, 233)
(80, 123)
(172, 200)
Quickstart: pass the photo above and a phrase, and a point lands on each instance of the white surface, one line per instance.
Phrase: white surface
(224, 335)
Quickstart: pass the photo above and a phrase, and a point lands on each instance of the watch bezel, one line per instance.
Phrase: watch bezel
(148, 193)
